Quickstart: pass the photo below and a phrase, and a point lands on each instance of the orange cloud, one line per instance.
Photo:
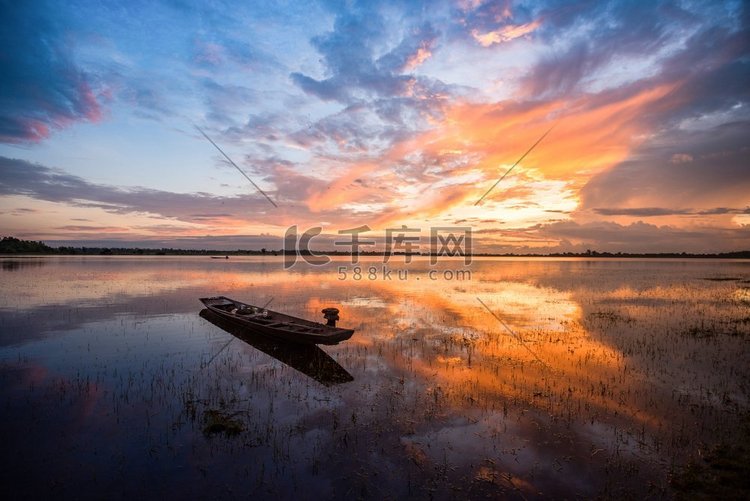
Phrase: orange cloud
(420, 178)
(587, 136)
(343, 190)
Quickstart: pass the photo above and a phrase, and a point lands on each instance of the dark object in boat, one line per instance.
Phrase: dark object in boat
(276, 325)
(219, 257)
(308, 359)
(331, 314)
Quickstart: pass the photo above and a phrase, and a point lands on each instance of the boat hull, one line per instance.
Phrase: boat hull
(308, 359)
(275, 325)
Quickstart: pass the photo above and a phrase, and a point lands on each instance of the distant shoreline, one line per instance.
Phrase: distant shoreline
(93, 251)
(10, 246)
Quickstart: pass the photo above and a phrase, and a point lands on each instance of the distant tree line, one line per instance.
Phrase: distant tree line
(12, 245)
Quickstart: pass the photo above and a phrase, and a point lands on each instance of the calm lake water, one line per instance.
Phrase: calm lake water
(525, 378)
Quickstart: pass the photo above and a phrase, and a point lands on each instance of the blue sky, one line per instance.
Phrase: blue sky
(378, 113)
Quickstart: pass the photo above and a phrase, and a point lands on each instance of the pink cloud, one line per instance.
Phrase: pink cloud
(422, 54)
(505, 34)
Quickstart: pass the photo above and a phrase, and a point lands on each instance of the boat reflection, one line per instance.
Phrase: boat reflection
(310, 360)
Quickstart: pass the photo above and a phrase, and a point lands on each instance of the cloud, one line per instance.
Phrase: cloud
(559, 74)
(355, 72)
(212, 242)
(145, 98)
(505, 33)
(19, 177)
(348, 55)
(201, 210)
(41, 86)
(644, 237)
(22, 211)
(662, 211)
(706, 120)
(718, 175)
(368, 125)
(681, 158)
(225, 101)
(484, 16)
(480, 140)
(591, 133)
(91, 228)
(641, 212)
(604, 43)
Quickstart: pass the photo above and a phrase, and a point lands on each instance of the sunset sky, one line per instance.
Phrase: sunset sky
(381, 114)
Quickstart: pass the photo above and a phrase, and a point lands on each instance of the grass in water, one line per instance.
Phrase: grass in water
(219, 422)
(723, 473)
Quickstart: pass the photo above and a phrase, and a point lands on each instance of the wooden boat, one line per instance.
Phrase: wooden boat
(277, 325)
(308, 359)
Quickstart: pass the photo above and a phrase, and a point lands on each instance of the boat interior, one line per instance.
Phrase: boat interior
(256, 315)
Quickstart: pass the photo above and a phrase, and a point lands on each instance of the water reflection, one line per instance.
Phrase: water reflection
(17, 264)
(599, 378)
(307, 359)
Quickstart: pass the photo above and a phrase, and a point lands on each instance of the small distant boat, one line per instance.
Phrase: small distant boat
(219, 257)
(277, 325)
